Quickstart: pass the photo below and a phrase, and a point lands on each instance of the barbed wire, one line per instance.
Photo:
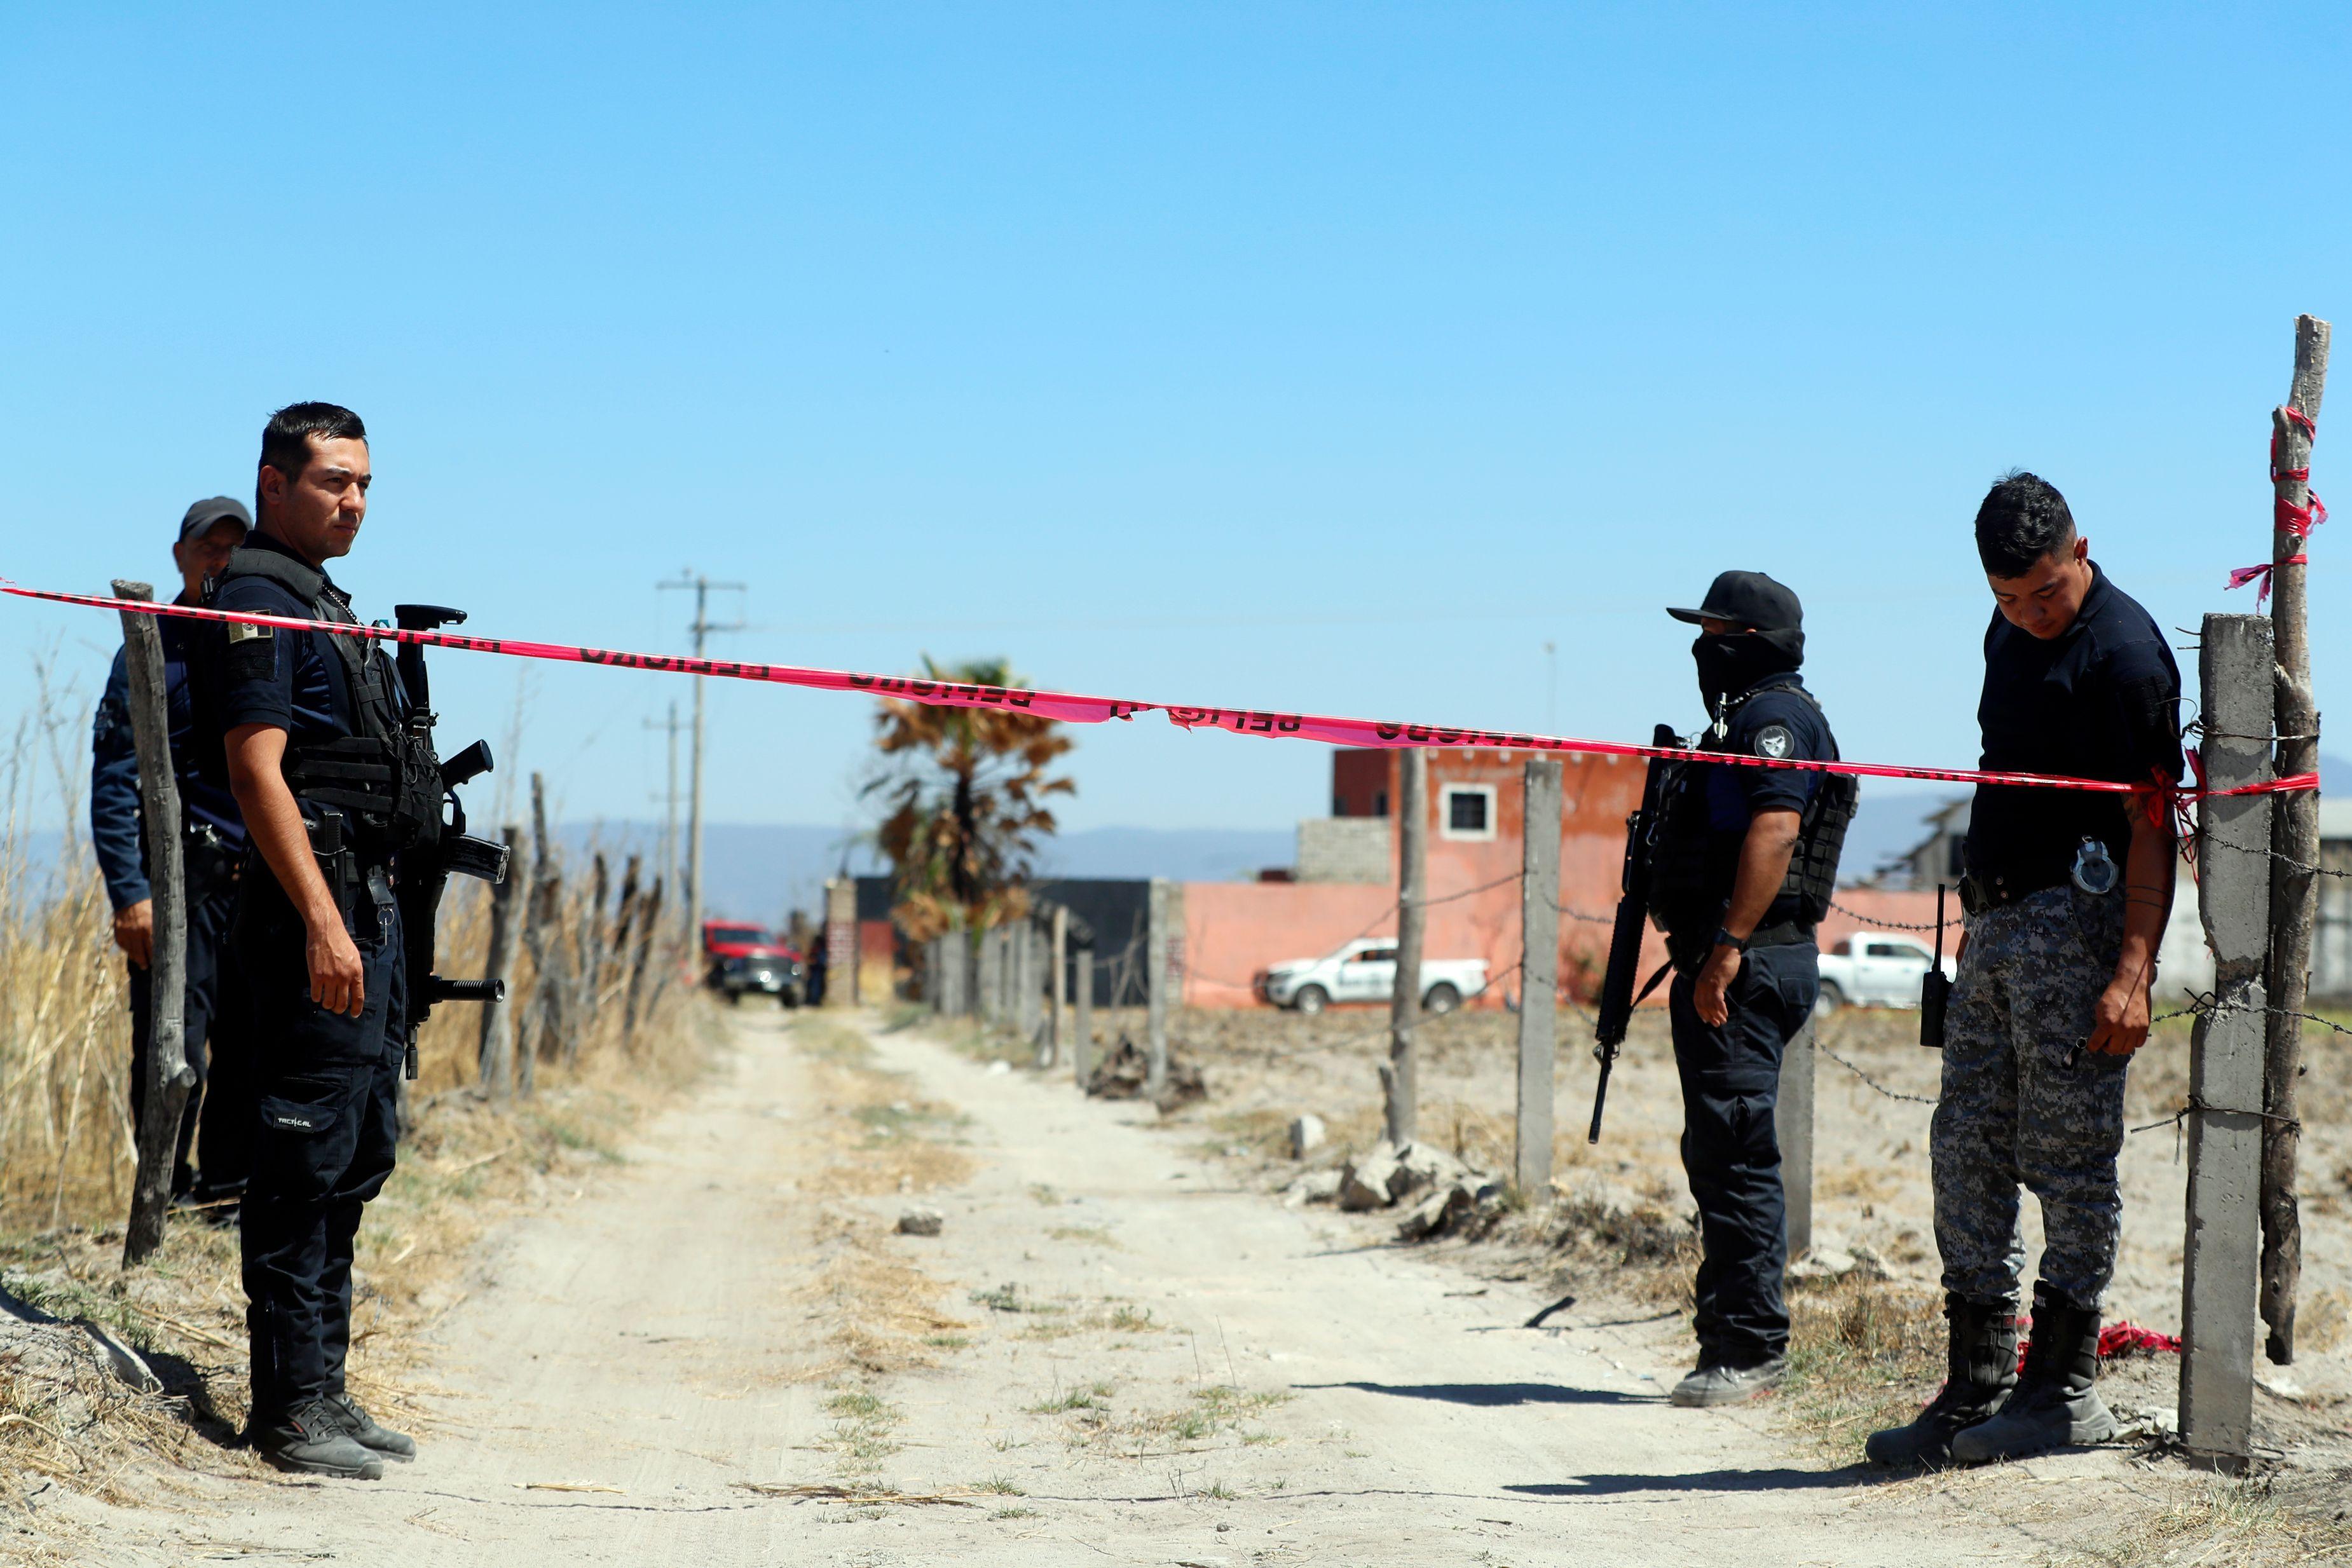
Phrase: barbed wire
(1875, 923)
(1867, 1078)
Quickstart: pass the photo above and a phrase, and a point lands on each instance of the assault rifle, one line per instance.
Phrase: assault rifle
(426, 869)
(1617, 998)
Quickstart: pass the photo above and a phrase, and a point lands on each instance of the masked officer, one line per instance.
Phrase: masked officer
(2066, 897)
(1741, 873)
(214, 848)
(311, 725)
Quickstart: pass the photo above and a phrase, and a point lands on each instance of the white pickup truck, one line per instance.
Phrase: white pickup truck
(1365, 971)
(1875, 969)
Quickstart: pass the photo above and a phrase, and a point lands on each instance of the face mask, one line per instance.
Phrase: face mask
(1731, 663)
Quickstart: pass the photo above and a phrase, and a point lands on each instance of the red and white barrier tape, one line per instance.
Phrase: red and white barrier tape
(1070, 708)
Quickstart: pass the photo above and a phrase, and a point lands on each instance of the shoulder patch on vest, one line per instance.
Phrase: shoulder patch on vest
(1775, 742)
(247, 632)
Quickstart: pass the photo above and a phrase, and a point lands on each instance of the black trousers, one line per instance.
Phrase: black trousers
(325, 1124)
(218, 1045)
(1731, 1083)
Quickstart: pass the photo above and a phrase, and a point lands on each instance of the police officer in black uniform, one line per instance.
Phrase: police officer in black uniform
(1743, 867)
(310, 724)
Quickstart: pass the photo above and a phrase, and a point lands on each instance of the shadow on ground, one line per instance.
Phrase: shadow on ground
(1700, 1481)
(1493, 1393)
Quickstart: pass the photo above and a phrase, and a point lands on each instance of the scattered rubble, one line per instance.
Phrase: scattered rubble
(920, 1221)
(1449, 1197)
(1858, 1262)
(1307, 1135)
(1120, 1075)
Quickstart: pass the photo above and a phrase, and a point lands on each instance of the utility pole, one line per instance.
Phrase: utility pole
(669, 798)
(702, 627)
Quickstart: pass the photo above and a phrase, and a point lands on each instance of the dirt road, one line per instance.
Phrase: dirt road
(1130, 1364)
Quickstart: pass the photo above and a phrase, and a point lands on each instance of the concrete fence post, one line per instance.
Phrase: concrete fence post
(1028, 985)
(840, 942)
(1399, 1075)
(1539, 976)
(1155, 986)
(1082, 1023)
(1792, 1124)
(1057, 972)
(2218, 1290)
(990, 967)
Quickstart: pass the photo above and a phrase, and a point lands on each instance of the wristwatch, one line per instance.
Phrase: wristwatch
(1724, 938)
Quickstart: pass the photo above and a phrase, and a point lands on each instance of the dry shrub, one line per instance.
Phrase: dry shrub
(1648, 1250)
(881, 1307)
(1863, 1354)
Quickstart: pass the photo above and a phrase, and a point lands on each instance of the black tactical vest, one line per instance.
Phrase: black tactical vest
(1691, 870)
(384, 778)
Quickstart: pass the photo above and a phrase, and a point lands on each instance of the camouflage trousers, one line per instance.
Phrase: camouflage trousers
(2026, 1100)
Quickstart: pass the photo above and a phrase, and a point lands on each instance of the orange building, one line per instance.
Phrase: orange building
(1344, 884)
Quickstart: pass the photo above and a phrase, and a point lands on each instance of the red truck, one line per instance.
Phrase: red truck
(744, 959)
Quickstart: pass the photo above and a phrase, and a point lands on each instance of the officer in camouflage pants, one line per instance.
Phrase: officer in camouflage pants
(2067, 892)
(2023, 1101)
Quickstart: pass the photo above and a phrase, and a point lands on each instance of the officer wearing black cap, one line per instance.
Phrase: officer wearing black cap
(308, 722)
(1745, 859)
(215, 1125)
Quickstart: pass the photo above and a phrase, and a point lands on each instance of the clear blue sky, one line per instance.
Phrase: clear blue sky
(1332, 357)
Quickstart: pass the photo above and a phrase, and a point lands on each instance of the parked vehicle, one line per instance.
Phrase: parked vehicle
(742, 959)
(1876, 969)
(1365, 971)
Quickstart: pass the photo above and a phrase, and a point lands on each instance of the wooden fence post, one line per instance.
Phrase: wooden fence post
(542, 937)
(1082, 1022)
(1058, 970)
(591, 977)
(164, 1097)
(1792, 1125)
(625, 915)
(1539, 976)
(2294, 835)
(1155, 987)
(648, 928)
(2218, 1288)
(1398, 1090)
(495, 1053)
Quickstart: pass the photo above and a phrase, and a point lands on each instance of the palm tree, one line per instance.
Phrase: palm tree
(966, 789)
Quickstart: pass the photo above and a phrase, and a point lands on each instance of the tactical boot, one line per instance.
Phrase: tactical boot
(1980, 1365)
(2053, 1403)
(379, 1440)
(316, 1440)
(1728, 1385)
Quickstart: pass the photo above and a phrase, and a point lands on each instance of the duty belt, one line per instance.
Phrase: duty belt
(1979, 893)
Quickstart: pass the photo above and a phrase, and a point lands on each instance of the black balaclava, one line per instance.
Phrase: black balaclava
(1732, 661)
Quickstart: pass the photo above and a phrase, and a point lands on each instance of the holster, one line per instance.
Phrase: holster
(338, 863)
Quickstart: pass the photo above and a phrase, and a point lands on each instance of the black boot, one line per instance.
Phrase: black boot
(2053, 1403)
(315, 1440)
(371, 1434)
(1980, 1365)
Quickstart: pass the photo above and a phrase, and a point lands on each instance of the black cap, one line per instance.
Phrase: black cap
(205, 514)
(1747, 599)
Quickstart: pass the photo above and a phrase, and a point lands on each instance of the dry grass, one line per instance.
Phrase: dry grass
(2259, 1522)
(872, 1135)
